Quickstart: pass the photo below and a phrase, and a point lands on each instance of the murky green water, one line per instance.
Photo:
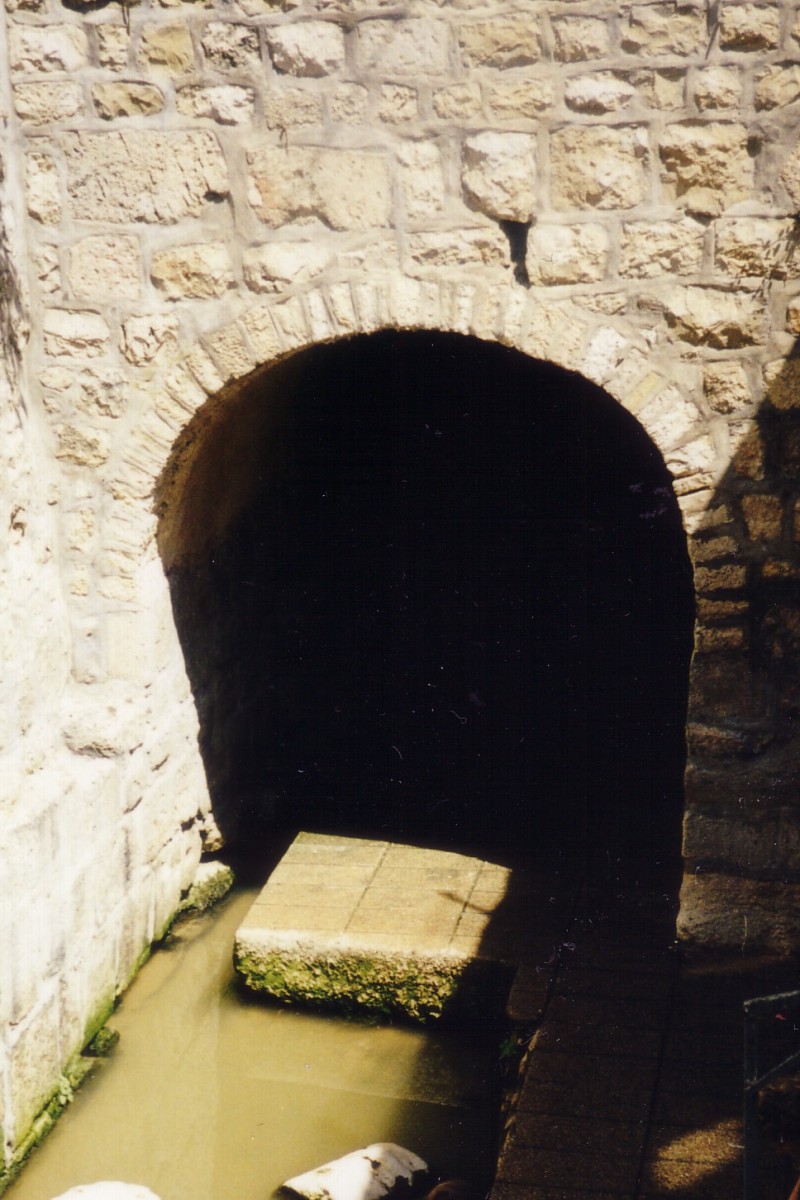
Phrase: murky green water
(209, 1097)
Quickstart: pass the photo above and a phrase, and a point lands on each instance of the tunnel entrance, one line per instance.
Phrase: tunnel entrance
(433, 590)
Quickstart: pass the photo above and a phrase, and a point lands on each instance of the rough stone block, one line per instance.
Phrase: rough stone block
(717, 88)
(457, 102)
(561, 254)
(513, 41)
(113, 100)
(276, 265)
(421, 180)
(81, 447)
(47, 103)
(519, 96)
(763, 517)
(42, 49)
(484, 246)
(410, 46)
(652, 248)
(198, 272)
(72, 334)
(730, 912)
(168, 47)
(782, 383)
(726, 387)
(602, 92)
(42, 188)
(661, 89)
(578, 38)
(790, 175)
(658, 30)
(398, 103)
(669, 418)
(498, 175)
(142, 175)
(707, 166)
(706, 316)
(102, 264)
(228, 104)
(291, 106)
(349, 102)
(344, 189)
(144, 337)
(231, 47)
(311, 48)
(757, 247)
(749, 27)
(599, 167)
(777, 86)
(113, 45)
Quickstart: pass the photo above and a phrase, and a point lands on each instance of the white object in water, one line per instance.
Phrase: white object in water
(108, 1190)
(380, 1170)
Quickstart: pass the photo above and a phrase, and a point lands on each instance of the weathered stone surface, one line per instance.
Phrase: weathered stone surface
(652, 248)
(669, 418)
(404, 47)
(757, 247)
(113, 45)
(169, 47)
(729, 911)
(790, 175)
(578, 38)
(520, 96)
(40, 49)
(600, 93)
(777, 86)
(230, 47)
(707, 167)
(782, 383)
(717, 88)
(349, 102)
(749, 27)
(497, 175)
(291, 106)
(42, 188)
(421, 180)
(312, 48)
(567, 253)
(46, 265)
(69, 333)
(197, 271)
(212, 881)
(599, 167)
(81, 447)
(143, 176)
(344, 189)
(112, 100)
(46, 103)
(276, 265)
(377, 1171)
(102, 263)
(656, 30)
(457, 101)
(763, 516)
(143, 338)
(726, 387)
(715, 317)
(512, 41)
(660, 89)
(398, 103)
(227, 103)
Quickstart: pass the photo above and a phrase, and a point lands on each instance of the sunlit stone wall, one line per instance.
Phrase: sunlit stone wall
(198, 189)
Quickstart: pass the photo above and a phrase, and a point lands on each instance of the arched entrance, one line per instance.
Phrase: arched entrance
(430, 588)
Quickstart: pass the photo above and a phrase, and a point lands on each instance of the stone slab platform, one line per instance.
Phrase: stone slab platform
(361, 924)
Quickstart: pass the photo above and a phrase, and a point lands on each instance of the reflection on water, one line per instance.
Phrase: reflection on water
(208, 1097)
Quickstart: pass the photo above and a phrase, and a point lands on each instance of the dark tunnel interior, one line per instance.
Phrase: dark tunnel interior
(450, 603)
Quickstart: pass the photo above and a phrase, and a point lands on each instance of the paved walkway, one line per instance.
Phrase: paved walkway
(631, 1082)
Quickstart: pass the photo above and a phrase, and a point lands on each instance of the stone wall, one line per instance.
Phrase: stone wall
(206, 187)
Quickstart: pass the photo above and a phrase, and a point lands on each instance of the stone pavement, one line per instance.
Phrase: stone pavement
(631, 1071)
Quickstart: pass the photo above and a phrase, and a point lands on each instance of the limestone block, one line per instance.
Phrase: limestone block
(498, 175)
(81, 447)
(602, 92)
(519, 96)
(227, 103)
(512, 41)
(730, 577)
(652, 248)
(349, 102)
(411, 46)
(292, 106)
(692, 464)
(32, 1057)
(117, 99)
(669, 418)
(71, 334)
(726, 388)
(793, 316)
(421, 180)
(42, 188)
(717, 87)
(567, 253)
(707, 167)
(708, 316)
(196, 272)
(578, 38)
(277, 265)
(782, 383)
(310, 48)
(458, 101)
(143, 338)
(40, 49)
(604, 354)
(143, 175)
(748, 449)
(46, 103)
(113, 45)
(229, 47)
(599, 167)
(452, 248)
(397, 103)
(47, 269)
(344, 189)
(763, 516)
(102, 720)
(658, 30)
(790, 176)
(758, 247)
(103, 266)
(749, 26)
(662, 89)
(168, 47)
(743, 915)
(379, 1171)
(212, 881)
(777, 86)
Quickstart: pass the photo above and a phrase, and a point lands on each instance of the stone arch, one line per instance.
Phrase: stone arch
(214, 373)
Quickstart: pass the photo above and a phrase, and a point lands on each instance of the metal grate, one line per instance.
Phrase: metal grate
(756, 1075)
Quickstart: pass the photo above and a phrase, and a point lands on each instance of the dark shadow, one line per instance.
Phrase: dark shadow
(430, 589)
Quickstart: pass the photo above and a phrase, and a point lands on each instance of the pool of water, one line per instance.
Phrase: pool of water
(210, 1095)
